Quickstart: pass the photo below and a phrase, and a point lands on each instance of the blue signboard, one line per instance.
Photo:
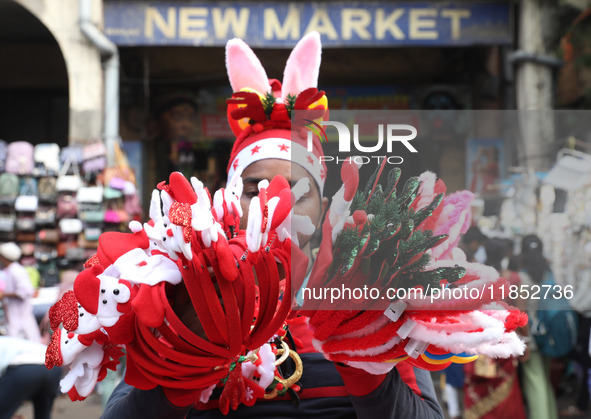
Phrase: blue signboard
(341, 24)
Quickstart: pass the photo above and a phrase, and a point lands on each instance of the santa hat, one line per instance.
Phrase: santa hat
(259, 111)
(113, 245)
(87, 288)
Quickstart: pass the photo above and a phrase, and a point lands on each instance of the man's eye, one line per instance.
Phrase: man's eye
(251, 194)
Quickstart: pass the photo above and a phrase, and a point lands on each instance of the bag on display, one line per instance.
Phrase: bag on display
(111, 193)
(112, 216)
(8, 188)
(25, 223)
(70, 226)
(46, 189)
(48, 272)
(117, 183)
(89, 245)
(94, 150)
(25, 236)
(48, 236)
(93, 216)
(19, 158)
(7, 222)
(47, 159)
(92, 233)
(90, 195)
(27, 249)
(67, 207)
(3, 152)
(73, 153)
(94, 157)
(69, 182)
(63, 246)
(75, 254)
(26, 203)
(132, 204)
(94, 165)
(7, 236)
(45, 253)
(45, 216)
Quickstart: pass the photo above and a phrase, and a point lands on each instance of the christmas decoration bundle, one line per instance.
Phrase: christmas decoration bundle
(197, 302)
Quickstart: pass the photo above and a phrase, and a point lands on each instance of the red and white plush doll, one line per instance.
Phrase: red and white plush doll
(104, 296)
(83, 362)
(258, 374)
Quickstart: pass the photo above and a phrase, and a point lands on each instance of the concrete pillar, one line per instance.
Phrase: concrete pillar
(83, 63)
(534, 88)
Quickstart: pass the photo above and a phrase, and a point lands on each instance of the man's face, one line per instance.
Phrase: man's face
(178, 122)
(310, 204)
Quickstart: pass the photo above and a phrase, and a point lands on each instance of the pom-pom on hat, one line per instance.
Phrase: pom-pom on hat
(259, 110)
(10, 251)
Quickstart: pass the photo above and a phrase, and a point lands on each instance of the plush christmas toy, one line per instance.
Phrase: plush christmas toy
(123, 297)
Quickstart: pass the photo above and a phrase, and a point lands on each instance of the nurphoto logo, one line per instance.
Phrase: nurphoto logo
(386, 133)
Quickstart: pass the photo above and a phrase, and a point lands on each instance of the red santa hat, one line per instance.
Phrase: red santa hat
(87, 288)
(113, 245)
(259, 111)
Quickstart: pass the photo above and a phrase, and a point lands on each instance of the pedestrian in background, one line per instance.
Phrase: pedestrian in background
(17, 294)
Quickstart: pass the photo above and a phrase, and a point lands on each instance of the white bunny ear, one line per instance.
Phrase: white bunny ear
(244, 68)
(303, 65)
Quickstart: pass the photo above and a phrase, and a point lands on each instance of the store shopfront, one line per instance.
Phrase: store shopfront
(376, 55)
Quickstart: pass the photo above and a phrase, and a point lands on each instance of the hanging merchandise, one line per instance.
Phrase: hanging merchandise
(117, 183)
(93, 216)
(19, 158)
(3, 154)
(73, 153)
(27, 201)
(26, 223)
(7, 222)
(9, 186)
(47, 159)
(48, 236)
(47, 191)
(572, 170)
(95, 157)
(69, 226)
(131, 200)
(90, 195)
(45, 216)
(67, 207)
(111, 193)
(47, 264)
(69, 182)
(25, 236)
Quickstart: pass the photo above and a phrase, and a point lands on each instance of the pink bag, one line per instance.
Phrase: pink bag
(112, 216)
(67, 207)
(94, 150)
(19, 158)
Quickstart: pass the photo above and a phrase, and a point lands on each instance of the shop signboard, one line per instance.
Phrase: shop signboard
(282, 24)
